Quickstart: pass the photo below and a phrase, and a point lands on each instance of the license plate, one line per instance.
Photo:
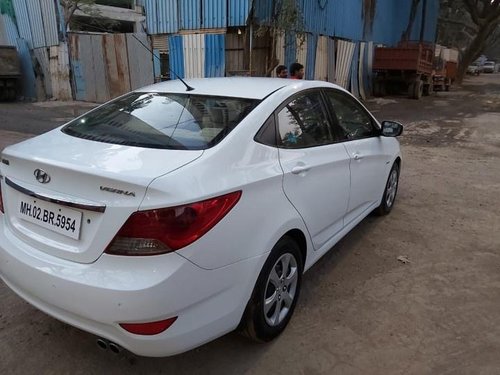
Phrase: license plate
(51, 216)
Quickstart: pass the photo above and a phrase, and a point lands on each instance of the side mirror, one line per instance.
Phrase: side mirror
(391, 129)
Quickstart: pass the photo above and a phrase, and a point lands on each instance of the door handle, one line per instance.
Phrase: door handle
(358, 156)
(300, 168)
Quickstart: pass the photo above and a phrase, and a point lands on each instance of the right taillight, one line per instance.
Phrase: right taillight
(164, 230)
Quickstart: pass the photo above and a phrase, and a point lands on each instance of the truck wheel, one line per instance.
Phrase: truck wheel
(418, 89)
(428, 89)
(411, 90)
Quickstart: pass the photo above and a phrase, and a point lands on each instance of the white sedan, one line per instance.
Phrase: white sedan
(184, 210)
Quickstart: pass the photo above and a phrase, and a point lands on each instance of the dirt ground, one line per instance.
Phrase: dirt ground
(362, 311)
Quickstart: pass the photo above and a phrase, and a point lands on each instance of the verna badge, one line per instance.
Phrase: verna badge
(41, 176)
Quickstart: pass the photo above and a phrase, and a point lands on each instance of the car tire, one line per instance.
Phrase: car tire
(390, 192)
(275, 294)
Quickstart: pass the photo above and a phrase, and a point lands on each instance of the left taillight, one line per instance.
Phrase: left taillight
(1, 199)
(165, 230)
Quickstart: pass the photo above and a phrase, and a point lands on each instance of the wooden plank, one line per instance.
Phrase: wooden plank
(101, 82)
(116, 64)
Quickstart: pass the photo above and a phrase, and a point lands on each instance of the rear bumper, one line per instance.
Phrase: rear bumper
(97, 297)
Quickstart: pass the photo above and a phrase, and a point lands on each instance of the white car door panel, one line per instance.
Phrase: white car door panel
(316, 170)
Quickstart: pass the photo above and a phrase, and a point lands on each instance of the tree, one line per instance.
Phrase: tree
(478, 21)
(286, 17)
(71, 6)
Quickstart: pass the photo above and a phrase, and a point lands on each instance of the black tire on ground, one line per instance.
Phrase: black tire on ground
(447, 88)
(428, 89)
(411, 90)
(390, 192)
(261, 322)
(418, 89)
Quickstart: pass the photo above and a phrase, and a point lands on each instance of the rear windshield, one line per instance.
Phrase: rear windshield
(168, 121)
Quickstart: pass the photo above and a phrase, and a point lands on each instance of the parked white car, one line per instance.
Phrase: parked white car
(489, 67)
(175, 214)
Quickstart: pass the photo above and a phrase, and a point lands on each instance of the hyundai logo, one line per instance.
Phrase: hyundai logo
(42, 176)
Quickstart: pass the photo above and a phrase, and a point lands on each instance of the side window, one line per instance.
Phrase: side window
(352, 118)
(303, 123)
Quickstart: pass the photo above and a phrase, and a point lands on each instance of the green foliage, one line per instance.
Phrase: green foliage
(287, 17)
(6, 7)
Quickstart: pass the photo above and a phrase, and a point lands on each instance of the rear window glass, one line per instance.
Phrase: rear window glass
(167, 121)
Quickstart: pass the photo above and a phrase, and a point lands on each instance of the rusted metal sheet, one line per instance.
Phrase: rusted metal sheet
(214, 14)
(100, 84)
(238, 12)
(194, 55)
(345, 53)
(140, 60)
(63, 87)
(235, 54)
(116, 62)
(42, 66)
(321, 67)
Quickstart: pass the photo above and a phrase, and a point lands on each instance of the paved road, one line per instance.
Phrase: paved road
(361, 310)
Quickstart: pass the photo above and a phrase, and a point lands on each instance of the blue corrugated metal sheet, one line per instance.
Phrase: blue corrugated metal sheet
(290, 48)
(23, 21)
(312, 44)
(190, 14)
(29, 88)
(49, 22)
(238, 12)
(263, 10)
(215, 55)
(11, 33)
(214, 14)
(176, 56)
(391, 20)
(36, 23)
(162, 17)
(354, 72)
(315, 16)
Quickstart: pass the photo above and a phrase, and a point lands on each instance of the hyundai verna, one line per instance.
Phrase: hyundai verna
(182, 211)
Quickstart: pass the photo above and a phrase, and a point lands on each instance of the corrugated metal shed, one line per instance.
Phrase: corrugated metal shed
(36, 22)
(235, 53)
(49, 22)
(332, 64)
(321, 65)
(140, 61)
(214, 55)
(160, 42)
(194, 55)
(310, 65)
(214, 14)
(176, 55)
(23, 21)
(345, 52)
(301, 54)
(11, 34)
(238, 12)
(290, 48)
(162, 17)
(190, 14)
(29, 87)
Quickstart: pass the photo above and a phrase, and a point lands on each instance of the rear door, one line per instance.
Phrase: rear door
(316, 169)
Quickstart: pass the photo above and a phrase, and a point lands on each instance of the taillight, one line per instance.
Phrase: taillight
(164, 230)
(1, 200)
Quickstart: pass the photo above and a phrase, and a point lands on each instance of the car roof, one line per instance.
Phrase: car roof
(238, 87)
